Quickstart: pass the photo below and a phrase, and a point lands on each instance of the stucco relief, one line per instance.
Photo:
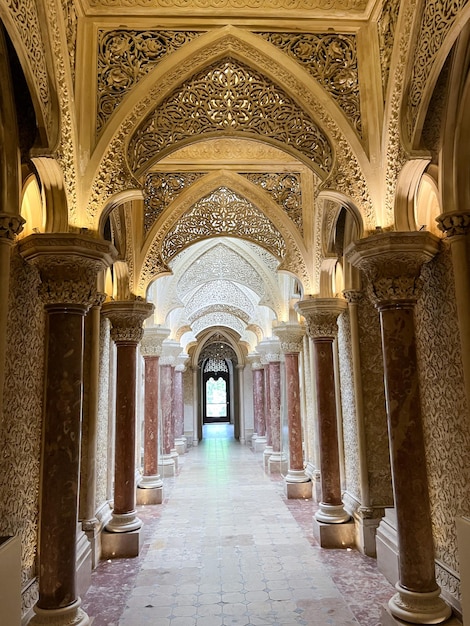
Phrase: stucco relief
(386, 28)
(348, 406)
(219, 292)
(21, 435)
(375, 417)
(102, 436)
(445, 413)
(263, 5)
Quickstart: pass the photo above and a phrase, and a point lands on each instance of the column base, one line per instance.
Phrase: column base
(166, 465)
(148, 495)
(387, 619)
(334, 535)
(84, 562)
(366, 531)
(298, 490)
(180, 445)
(71, 615)
(268, 450)
(419, 608)
(150, 482)
(123, 522)
(386, 542)
(277, 463)
(331, 514)
(259, 444)
(175, 456)
(120, 545)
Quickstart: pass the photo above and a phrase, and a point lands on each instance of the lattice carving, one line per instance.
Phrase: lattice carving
(386, 29)
(436, 22)
(215, 365)
(218, 319)
(222, 213)
(219, 292)
(71, 23)
(218, 349)
(124, 57)
(260, 5)
(162, 188)
(228, 97)
(266, 257)
(28, 23)
(332, 60)
(228, 309)
(285, 189)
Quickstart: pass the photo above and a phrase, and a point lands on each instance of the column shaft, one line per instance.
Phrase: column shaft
(258, 401)
(296, 461)
(61, 456)
(166, 378)
(151, 416)
(178, 403)
(275, 404)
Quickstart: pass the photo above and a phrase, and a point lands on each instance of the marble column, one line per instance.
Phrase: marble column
(297, 483)
(127, 318)
(277, 462)
(241, 403)
(259, 443)
(321, 315)
(195, 370)
(169, 458)
(68, 265)
(392, 263)
(150, 487)
(178, 403)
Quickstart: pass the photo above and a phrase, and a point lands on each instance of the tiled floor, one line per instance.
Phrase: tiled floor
(226, 548)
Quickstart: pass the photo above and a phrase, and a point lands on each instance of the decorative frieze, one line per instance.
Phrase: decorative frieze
(258, 5)
(231, 98)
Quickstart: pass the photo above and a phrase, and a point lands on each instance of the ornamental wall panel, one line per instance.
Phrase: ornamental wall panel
(445, 412)
(22, 428)
(351, 446)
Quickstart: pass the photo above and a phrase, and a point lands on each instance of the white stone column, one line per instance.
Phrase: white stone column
(241, 403)
(196, 371)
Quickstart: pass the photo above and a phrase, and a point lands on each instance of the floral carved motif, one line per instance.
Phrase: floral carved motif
(222, 213)
(216, 292)
(454, 223)
(160, 189)
(220, 308)
(10, 226)
(125, 56)
(71, 22)
(386, 29)
(285, 189)
(436, 22)
(127, 318)
(231, 98)
(218, 319)
(332, 60)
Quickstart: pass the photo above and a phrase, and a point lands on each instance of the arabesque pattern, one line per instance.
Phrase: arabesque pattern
(231, 98)
(223, 213)
(124, 57)
(162, 188)
(332, 60)
(285, 189)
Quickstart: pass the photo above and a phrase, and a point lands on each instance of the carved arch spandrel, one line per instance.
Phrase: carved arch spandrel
(296, 257)
(108, 172)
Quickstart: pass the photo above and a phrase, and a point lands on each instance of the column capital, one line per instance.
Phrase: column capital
(127, 318)
(353, 296)
(392, 263)
(10, 226)
(170, 351)
(151, 344)
(254, 359)
(68, 265)
(321, 315)
(269, 350)
(290, 337)
(181, 362)
(454, 223)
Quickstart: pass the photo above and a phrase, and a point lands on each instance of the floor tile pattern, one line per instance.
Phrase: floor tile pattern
(227, 549)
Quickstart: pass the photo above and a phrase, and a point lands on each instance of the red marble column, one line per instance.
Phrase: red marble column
(166, 385)
(151, 478)
(68, 265)
(126, 318)
(321, 315)
(258, 401)
(290, 337)
(277, 460)
(392, 262)
(178, 406)
(267, 407)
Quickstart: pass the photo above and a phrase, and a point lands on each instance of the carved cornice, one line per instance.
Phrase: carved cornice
(151, 344)
(455, 223)
(68, 265)
(127, 318)
(10, 226)
(392, 263)
(321, 315)
(290, 337)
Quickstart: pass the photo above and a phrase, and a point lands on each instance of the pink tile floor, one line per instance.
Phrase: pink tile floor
(227, 549)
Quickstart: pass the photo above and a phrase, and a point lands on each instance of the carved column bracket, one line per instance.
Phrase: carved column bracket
(455, 223)
(10, 226)
(392, 263)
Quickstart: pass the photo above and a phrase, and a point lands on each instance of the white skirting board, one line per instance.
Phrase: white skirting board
(463, 538)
